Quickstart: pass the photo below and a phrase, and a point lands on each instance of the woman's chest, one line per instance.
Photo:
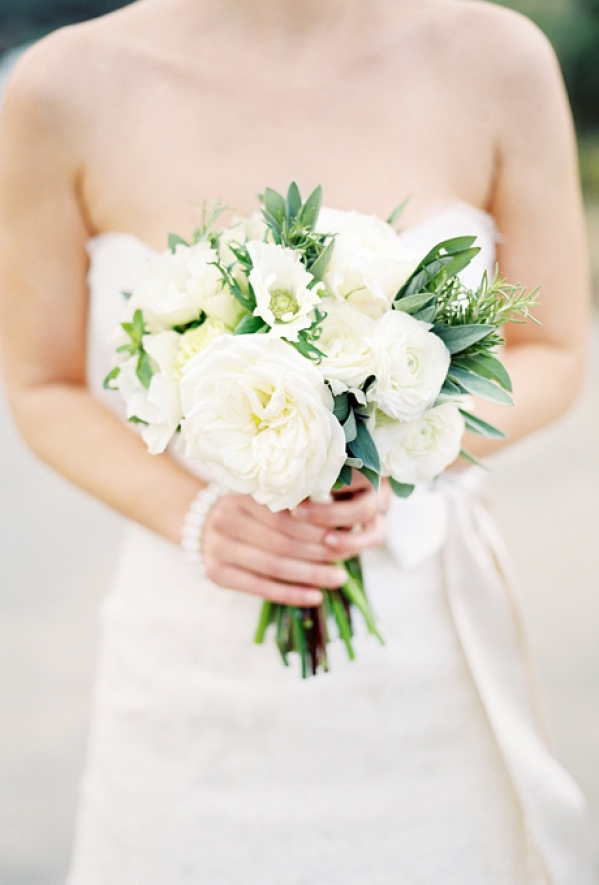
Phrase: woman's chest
(370, 140)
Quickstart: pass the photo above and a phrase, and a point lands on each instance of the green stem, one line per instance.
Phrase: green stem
(267, 614)
(355, 593)
(282, 636)
(299, 638)
(342, 623)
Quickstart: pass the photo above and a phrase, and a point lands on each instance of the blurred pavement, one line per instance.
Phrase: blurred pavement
(57, 550)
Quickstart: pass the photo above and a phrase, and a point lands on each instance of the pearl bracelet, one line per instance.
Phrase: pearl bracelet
(195, 520)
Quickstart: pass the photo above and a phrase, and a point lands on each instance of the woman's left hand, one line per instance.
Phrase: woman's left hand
(355, 518)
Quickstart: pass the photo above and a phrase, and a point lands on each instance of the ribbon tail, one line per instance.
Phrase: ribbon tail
(488, 626)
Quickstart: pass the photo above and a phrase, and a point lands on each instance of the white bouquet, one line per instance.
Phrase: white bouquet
(296, 346)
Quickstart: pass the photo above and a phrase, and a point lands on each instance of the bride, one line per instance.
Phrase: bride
(421, 763)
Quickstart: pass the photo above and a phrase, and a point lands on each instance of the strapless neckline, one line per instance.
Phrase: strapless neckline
(430, 215)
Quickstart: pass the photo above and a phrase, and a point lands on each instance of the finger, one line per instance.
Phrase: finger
(360, 508)
(259, 535)
(358, 483)
(279, 568)
(347, 544)
(385, 496)
(234, 578)
(283, 522)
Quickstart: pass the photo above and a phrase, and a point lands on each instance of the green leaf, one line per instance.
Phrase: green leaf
(250, 325)
(480, 427)
(445, 260)
(451, 389)
(458, 338)
(345, 477)
(144, 369)
(363, 447)
(311, 208)
(319, 267)
(427, 314)
(355, 463)
(341, 407)
(274, 205)
(112, 376)
(398, 212)
(293, 204)
(175, 240)
(481, 387)
(460, 261)
(126, 295)
(449, 247)
(486, 365)
(138, 322)
(413, 303)
(372, 476)
(350, 427)
(467, 456)
(135, 420)
(307, 349)
(401, 489)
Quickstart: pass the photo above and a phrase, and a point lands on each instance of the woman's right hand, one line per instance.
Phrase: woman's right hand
(287, 557)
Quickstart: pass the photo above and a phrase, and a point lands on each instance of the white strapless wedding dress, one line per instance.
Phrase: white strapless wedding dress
(421, 763)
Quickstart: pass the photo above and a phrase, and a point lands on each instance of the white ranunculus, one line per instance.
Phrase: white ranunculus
(369, 262)
(177, 286)
(159, 405)
(260, 417)
(411, 364)
(418, 451)
(280, 283)
(347, 344)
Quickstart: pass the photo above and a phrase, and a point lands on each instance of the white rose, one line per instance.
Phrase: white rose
(177, 286)
(418, 451)
(347, 344)
(369, 263)
(260, 417)
(280, 283)
(159, 405)
(411, 364)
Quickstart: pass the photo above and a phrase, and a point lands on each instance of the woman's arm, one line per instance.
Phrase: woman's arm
(537, 204)
(43, 315)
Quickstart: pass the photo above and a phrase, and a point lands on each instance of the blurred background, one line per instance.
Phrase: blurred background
(58, 547)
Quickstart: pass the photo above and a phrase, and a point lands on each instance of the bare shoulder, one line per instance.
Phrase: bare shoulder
(59, 81)
(501, 46)
(487, 50)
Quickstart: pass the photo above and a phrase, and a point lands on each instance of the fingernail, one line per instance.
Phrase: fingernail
(300, 512)
(332, 540)
(340, 575)
(314, 598)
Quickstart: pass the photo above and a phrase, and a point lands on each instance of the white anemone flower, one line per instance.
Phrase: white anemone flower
(281, 286)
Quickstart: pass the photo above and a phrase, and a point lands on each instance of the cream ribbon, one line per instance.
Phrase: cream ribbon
(449, 517)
